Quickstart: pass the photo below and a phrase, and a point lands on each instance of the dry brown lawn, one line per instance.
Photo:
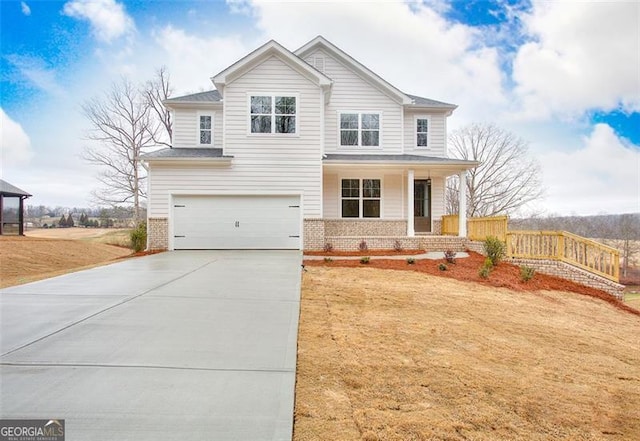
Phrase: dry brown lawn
(401, 355)
(27, 259)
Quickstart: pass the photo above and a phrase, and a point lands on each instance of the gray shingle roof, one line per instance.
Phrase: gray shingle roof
(210, 96)
(397, 158)
(426, 102)
(189, 153)
(11, 190)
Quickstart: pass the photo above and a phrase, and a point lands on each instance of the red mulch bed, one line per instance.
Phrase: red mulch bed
(363, 253)
(505, 275)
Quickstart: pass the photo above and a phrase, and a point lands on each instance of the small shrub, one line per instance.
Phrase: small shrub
(363, 246)
(488, 263)
(138, 237)
(527, 273)
(365, 260)
(328, 259)
(411, 260)
(484, 272)
(442, 267)
(495, 249)
(397, 246)
(450, 256)
(328, 247)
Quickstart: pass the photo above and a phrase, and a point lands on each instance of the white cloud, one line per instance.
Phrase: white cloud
(26, 10)
(15, 144)
(603, 175)
(108, 18)
(37, 73)
(584, 55)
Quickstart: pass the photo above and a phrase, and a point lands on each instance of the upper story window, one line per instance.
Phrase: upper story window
(422, 131)
(360, 197)
(205, 129)
(273, 114)
(360, 129)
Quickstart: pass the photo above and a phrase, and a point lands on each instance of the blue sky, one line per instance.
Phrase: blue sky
(564, 76)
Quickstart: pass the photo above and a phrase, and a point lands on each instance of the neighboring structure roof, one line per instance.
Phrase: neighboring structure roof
(269, 49)
(419, 101)
(201, 97)
(185, 153)
(390, 159)
(7, 189)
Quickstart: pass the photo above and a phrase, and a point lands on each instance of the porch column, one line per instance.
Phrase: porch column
(410, 216)
(462, 205)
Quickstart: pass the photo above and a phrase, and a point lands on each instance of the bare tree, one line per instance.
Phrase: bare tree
(506, 179)
(155, 92)
(122, 127)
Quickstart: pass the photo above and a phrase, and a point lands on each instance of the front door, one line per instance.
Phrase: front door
(422, 205)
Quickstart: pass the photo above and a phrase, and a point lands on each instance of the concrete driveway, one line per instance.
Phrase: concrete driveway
(192, 345)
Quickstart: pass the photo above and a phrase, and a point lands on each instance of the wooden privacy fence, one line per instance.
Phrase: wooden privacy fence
(478, 228)
(566, 247)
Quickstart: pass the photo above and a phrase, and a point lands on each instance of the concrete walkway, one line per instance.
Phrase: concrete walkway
(197, 345)
(431, 255)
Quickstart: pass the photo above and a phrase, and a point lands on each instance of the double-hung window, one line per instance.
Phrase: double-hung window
(205, 129)
(360, 129)
(273, 114)
(360, 198)
(422, 132)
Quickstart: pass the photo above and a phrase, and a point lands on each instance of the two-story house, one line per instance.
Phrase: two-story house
(294, 150)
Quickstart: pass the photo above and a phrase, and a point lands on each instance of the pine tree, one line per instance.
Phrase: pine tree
(70, 222)
(62, 223)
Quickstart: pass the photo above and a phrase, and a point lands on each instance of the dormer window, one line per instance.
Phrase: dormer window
(273, 114)
(205, 129)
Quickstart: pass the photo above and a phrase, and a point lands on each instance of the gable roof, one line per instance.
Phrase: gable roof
(271, 48)
(419, 101)
(7, 189)
(322, 43)
(201, 97)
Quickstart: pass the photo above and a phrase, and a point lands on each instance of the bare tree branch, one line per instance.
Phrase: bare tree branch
(155, 92)
(506, 179)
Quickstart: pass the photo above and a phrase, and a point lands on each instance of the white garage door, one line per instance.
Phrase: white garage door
(236, 222)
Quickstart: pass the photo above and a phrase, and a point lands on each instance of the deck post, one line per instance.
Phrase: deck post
(410, 214)
(462, 205)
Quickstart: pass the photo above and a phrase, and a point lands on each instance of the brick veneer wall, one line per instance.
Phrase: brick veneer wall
(313, 234)
(437, 227)
(365, 227)
(158, 233)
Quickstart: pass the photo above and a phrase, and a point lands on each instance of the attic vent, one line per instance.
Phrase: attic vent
(319, 63)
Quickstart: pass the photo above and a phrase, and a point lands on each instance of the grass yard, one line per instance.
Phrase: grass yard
(632, 297)
(48, 253)
(403, 355)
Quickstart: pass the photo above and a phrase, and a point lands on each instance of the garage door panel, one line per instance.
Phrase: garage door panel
(236, 222)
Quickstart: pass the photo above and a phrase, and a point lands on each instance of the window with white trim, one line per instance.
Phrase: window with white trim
(205, 129)
(422, 132)
(360, 129)
(273, 114)
(360, 198)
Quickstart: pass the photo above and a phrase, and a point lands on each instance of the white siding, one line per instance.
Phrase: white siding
(185, 127)
(262, 163)
(392, 194)
(352, 93)
(330, 191)
(437, 132)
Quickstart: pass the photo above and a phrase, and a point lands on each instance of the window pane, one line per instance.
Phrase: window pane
(205, 136)
(371, 138)
(10, 209)
(423, 125)
(371, 188)
(205, 122)
(260, 124)
(350, 208)
(422, 139)
(260, 104)
(350, 188)
(285, 124)
(348, 137)
(371, 208)
(285, 105)
(349, 121)
(370, 121)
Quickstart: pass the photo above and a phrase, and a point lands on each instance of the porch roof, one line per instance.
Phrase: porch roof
(414, 160)
(7, 189)
(186, 153)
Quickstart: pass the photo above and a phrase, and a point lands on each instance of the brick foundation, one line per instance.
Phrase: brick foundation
(314, 234)
(365, 227)
(157, 233)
